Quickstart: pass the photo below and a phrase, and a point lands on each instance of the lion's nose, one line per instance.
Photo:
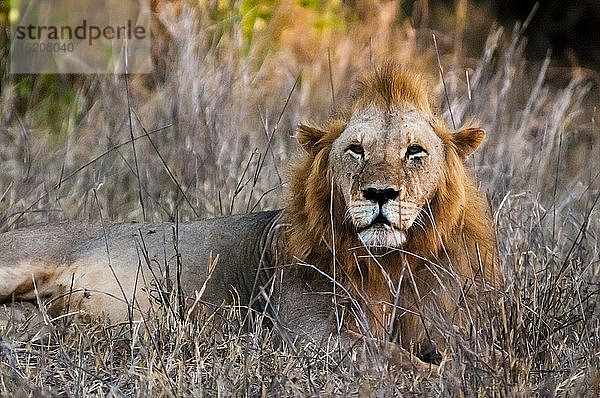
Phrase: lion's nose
(380, 196)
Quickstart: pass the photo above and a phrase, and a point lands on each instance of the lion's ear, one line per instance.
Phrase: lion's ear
(468, 140)
(309, 137)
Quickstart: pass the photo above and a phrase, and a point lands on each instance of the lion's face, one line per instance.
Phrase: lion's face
(396, 170)
(386, 164)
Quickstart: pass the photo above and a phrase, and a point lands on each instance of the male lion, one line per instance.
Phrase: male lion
(383, 234)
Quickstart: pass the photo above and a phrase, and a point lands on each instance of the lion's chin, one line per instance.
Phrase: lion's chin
(382, 235)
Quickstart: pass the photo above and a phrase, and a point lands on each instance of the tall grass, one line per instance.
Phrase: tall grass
(213, 133)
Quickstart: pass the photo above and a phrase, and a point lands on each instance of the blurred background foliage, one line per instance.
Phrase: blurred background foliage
(566, 31)
(224, 74)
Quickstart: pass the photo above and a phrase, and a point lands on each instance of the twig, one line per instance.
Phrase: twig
(443, 80)
(330, 76)
(135, 159)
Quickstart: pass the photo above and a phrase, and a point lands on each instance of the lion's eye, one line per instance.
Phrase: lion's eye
(356, 149)
(415, 151)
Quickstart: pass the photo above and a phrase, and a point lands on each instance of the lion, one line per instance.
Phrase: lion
(383, 234)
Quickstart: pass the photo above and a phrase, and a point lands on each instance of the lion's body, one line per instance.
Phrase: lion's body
(384, 233)
(88, 259)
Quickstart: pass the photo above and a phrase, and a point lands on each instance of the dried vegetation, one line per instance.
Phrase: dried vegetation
(213, 130)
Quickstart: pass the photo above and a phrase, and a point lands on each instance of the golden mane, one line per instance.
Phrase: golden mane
(456, 230)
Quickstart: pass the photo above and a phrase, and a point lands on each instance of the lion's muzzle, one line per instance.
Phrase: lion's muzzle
(377, 218)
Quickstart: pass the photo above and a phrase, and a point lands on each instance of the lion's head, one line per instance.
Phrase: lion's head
(382, 188)
(386, 164)
(395, 171)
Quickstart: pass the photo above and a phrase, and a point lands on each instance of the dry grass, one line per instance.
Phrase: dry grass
(214, 128)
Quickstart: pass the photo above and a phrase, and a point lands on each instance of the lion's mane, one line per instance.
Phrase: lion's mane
(456, 233)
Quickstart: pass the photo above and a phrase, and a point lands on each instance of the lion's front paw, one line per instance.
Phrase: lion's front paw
(400, 357)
